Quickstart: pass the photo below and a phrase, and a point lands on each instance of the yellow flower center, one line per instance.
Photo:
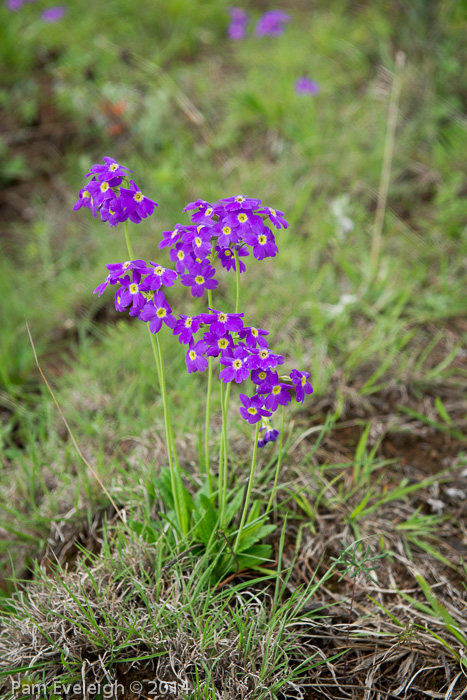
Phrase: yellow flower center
(242, 218)
(227, 253)
(276, 390)
(138, 197)
(198, 241)
(208, 211)
(126, 264)
(113, 167)
(174, 233)
(161, 313)
(199, 279)
(158, 270)
(192, 354)
(86, 194)
(118, 300)
(240, 198)
(262, 375)
(223, 343)
(222, 318)
(273, 211)
(254, 332)
(262, 239)
(133, 288)
(252, 410)
(188, 322)
(237, 364)
(263, 354)
(180, 255)
(226, 230)
(303, 381)
(104, 187)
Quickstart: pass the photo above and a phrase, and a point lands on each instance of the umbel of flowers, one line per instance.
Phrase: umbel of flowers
(229, 231)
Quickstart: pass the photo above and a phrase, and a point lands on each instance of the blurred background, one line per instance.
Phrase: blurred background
(162, 87)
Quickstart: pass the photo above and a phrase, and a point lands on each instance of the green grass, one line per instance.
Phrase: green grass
(370, 460)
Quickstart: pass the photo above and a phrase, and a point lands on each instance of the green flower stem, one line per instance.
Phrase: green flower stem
(223, 458)
(128, 242)
(279, 460)
(250, 486)
(208, 412)
(237, 269)
(176, 480)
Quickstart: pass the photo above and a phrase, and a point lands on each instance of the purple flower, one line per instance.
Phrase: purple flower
(109, 172)
(102, 287)
(238, 24)
(263, 243)
(181, 256)
(170, 237)
(195, 359)
(117, 270)
(157, 312)
(264, 359)
(278, 394)
(275, 216)
(186, 327)
(235, 368)
(136, 205)
(252, 409)
(199, 278)
(258, 376)
(269, 436)
(218, 344)
(84, 199)
(243, 222)
(227, 258)
(53, 14)
(301, 384)
(306, 86)
(222, 322)
(240, 202)
(272, 23)
(253, 336)
(161, 276)
(205, 213)
(131, 293)
(227, 234)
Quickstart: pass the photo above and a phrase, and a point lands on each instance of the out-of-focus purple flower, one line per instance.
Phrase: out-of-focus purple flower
(306, 86)
(53, 14)
(270, 435)
(272, 23)
(14, 5)
(238, 24)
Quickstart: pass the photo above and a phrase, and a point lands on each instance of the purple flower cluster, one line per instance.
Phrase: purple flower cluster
(104, 195)
(238, 24)
(51, 14)
(243, 351)
(217, 231)
(270, 24)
